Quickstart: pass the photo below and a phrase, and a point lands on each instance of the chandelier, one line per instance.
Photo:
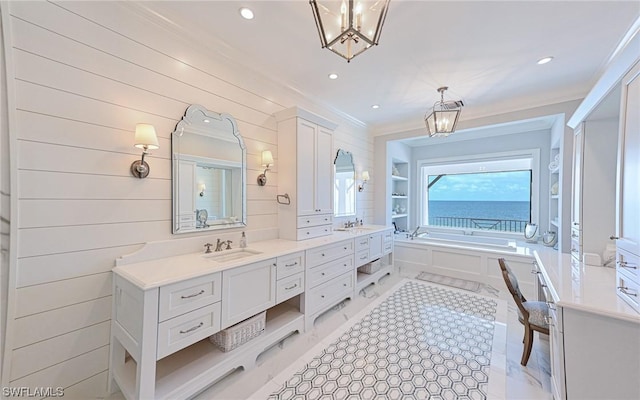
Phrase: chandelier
(444, 116)
(350, 27)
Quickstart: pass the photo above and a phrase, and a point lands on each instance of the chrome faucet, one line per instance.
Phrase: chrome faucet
(208, 246)
(219, 245)
(415, 232)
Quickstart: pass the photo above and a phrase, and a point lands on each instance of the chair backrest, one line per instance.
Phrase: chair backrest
(512, 284)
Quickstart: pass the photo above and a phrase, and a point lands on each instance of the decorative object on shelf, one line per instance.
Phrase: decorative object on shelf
(394, 171)
(202, 216)
(365, 179)
(530, 231)
(549, 238)
(358, 25)
(553, 165)
(267, 161)
(442, 120)
(239, 334)
(403, 209)
(554, 189)
(146, 140)
(397, 209)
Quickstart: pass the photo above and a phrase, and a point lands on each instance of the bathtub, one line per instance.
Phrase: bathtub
(468, 240)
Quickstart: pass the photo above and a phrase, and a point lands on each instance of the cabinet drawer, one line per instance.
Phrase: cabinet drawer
(387, 236)
(321, 255)
(314, 220)
(325, 272)
(628, 289)
(313, 232)
(323, 295)
(289, 265)
(182, 297)
(362, 243)
(184, 330)
(629, 264)
(388, 248)
(288, 287)
(362, 257)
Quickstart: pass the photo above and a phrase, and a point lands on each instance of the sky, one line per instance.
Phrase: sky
(488, 186)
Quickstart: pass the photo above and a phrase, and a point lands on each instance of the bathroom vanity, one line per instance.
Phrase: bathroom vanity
(165, 307)
(594, 335)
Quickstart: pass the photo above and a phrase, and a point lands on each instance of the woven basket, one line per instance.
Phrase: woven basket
(372, 267)
(239, 334)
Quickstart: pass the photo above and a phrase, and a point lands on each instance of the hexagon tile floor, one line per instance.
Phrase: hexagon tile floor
(423, 341)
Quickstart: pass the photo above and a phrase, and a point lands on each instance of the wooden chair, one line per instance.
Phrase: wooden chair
(531, 314)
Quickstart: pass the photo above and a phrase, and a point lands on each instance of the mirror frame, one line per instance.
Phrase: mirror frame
(345, 153)
(220, 122)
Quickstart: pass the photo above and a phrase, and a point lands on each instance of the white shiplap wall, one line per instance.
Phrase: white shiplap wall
(83, 75)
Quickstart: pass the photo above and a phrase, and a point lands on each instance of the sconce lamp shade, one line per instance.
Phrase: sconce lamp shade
(349, 27)
(442, 120)
(267, 158)
(365, 175)
(146, 140)
(146, 137)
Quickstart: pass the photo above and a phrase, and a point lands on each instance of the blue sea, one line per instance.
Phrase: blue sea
(495, 210)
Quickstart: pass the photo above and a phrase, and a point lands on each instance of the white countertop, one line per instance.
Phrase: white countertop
(166, 270)
(583, 287)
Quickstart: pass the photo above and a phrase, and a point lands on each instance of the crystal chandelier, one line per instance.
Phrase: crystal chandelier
(350, 27)
(444, 116)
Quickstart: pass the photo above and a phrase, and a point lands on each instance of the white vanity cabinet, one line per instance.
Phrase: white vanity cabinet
(330, 274)
(248, 290)
(593, 194)
(305, 173)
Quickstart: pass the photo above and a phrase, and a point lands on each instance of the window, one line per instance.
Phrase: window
(495, 194)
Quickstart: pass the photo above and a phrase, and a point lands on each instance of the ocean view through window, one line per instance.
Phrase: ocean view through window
(493, 201)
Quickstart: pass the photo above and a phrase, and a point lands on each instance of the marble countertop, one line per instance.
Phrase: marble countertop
(149, 268)
(582, 287)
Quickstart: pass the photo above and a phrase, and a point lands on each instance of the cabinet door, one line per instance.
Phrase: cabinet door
(628, 189)
(556, 349)
(576, 192)
(324, 171)
(306, 182)
(375, 246)
(247, 291)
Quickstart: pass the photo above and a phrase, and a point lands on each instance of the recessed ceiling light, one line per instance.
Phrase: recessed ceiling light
(544, 60)
(375, 106)
(246, 13)
(206, 121)
(333, 76)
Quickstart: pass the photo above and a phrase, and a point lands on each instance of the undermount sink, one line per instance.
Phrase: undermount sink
(356, 229)
(230, 255)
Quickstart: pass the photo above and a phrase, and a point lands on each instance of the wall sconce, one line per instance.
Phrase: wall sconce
(201, 189)
(267, 161)
(365, 179)
(146, 140)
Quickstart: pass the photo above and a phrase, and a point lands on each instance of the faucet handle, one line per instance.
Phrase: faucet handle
(229, 244)
(208, 246)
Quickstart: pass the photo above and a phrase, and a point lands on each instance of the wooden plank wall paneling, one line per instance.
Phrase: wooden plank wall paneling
(85, 74)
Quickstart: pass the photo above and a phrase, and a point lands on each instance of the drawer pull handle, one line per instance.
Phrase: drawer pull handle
(625, 289)
(322, 254)
(624, 264)
(614, 237)
(193, 295)
(295, 285)
(308, 221)
(363, 257)
(193, 328)
(535, 271)
(345, 248)
(322, 274)
(548, 320)
(365, 242)
(291, 265)
(344, 284)
(307, 233)
(322, 296)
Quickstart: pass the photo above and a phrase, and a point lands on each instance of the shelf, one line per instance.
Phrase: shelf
(555, 223)
(398, 178)
(364, 280)
(203, 363)
(554, 171)
(399, 197)
(554, 197)
(398, 215)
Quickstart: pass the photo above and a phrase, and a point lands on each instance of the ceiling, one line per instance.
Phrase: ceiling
(485, 51)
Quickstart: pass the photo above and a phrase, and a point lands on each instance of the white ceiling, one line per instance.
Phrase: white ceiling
(485, 51)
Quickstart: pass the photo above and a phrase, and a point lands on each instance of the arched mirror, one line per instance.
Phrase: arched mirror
(344, 196)
(208, 163)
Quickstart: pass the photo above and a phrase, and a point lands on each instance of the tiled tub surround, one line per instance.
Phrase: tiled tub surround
(419, 341)
(164, 307)
(594, 334)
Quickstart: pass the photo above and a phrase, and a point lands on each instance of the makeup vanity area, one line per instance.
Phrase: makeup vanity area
(171, 296)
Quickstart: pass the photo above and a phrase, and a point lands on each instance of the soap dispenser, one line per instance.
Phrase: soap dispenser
(243, 241)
